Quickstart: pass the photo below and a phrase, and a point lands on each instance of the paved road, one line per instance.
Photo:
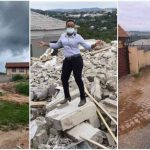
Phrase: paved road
(134, 111)
(138, 138)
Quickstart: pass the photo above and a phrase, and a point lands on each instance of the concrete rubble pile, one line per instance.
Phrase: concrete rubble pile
(56, 125)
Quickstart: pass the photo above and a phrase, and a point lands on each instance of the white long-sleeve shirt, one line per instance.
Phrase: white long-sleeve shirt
(70, 44)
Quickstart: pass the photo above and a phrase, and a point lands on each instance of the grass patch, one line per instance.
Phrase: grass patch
(13, 115)
(137, 75)
(22, 88)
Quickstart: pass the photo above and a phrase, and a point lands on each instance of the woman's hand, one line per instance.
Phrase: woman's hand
(43, 44)
(98, 43)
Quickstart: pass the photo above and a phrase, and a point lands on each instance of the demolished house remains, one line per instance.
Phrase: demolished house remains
(94, 125)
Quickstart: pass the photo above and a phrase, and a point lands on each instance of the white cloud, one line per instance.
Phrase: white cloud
(134, 15)
(8, 56)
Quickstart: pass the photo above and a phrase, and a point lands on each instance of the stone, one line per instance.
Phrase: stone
(96, 89)
(53, 131)
(44, 146)
(85, 130)
(111, 110)
(111, 85)
(42, 137)
(70, 115)
(110, 140)
(36, 125)
(94, 121)
(110, 102)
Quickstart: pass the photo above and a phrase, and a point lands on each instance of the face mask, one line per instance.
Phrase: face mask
(70, 30)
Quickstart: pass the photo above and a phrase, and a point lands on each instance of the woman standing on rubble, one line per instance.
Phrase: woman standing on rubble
(73, 60)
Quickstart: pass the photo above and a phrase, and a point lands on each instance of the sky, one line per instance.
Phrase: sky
(72, 5)
(134, 16)
(14, 32)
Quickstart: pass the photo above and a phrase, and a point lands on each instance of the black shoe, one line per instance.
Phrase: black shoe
(82, 102)
(65, 100)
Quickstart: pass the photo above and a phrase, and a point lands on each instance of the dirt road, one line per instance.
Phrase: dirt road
(134, 111)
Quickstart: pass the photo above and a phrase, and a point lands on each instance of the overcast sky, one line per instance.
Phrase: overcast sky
(72, 5)
(14, 32)
(134, 15)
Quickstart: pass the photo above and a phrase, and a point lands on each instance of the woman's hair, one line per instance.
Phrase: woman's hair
(70, 20)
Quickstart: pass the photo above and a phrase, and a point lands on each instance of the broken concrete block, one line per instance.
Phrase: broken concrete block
(86, 130)
(42, 137)
(110, 102)
(44, 146)
(70, 115)
(111, 85)
(56, 102)
(36, 125)
(40, 93)
(96, 89)
(94, 121)
(53, 131)
(110, 140)
(111, 110)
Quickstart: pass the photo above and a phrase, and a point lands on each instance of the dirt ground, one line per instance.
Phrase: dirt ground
(14, 139)
(11, 95)
(134, 111)
(19, 138)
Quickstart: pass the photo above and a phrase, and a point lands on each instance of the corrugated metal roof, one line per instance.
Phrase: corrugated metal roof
(17, 65)
(141, 42)
(122, 32)
(43, 22)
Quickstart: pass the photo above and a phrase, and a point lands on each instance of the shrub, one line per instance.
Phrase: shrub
(17, 77)
(22, 88)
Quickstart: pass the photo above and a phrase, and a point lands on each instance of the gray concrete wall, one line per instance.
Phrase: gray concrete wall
(47, 36)
(5, 78)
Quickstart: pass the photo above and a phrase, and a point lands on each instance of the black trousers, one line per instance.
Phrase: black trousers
(74, 64)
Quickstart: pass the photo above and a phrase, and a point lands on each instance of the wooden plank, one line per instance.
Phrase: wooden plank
(100, 106)
(95, 143)
(109, 130)
(38, 104)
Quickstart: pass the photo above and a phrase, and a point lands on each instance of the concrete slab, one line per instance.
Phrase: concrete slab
(86, 130)
(70, 115)
(55, 102)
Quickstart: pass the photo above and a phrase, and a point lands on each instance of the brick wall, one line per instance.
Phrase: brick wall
(123, 62)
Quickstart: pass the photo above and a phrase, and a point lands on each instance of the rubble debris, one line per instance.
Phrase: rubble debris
(55, 125)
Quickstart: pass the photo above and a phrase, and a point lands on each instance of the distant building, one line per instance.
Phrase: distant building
(142, 44)
(13, 68)
(44, 28)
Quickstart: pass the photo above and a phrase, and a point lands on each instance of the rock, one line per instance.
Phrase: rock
(96, 90)
(41, 137)
(110, 102)
(110, 140)
(66, 117)
(36, 125)
(53, 131)
(94, 121)
(110, 106)
(44, 146)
